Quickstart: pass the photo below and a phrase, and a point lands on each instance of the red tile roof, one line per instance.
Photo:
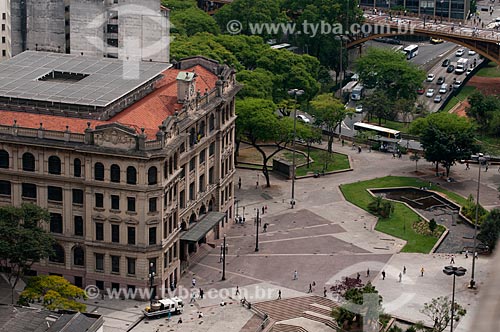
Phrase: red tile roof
(148, 113)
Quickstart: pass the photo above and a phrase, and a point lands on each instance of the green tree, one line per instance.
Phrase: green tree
(378, 105)
(432, 225)
(257, 83)
(490, 229)
(54, 293)
(258, 124)
(309, 135)
(439, 311)
(192, 20)
(484, 109)
(329, 113)
(416, 158)
(23, 241)
(247, 49)
(445, 138)
(389, 71)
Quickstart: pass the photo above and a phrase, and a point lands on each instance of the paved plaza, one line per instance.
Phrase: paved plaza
(324, 238)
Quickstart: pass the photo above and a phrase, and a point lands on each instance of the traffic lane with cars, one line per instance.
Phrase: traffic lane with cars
(440, 71)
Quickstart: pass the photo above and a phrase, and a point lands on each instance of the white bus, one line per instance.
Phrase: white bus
(382, 131)
(411, 51)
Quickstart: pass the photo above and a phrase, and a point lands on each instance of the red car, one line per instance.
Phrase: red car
(420, 91)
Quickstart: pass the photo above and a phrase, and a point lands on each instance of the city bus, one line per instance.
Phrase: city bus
(381, 131)
(411, 51)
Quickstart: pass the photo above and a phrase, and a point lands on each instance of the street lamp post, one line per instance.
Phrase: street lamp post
(151, 276)
(257, 231)
(480, 158)
(295, 93)
(455, 271)
(223, 248)
(441, 10)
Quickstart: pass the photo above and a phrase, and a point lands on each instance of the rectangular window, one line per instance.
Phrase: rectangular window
(99, 231)
(131, 235)
(130, 265)
(56, 223)
(115, 233)
(78, 225)
(115, 264)
(29, 190)
(211, 175)
(152, 236)
(175, 250)
(99, 284)
(202, 156)
(131, 204)
(115, 202)
(3, 27)
(201, 185)
(182, 199)
(4, 53)
(211, 149)
(99, 262)
(3, 40)
(77, 196)
(192, 164)
(99, 200)
(152, 204)
(183, 172)
(192, 194)
(54, 193)
(4, 16)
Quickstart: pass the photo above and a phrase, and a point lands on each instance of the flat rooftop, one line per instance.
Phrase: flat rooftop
(71, 79)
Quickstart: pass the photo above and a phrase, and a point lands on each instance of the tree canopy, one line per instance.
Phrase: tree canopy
(388, 70)
(191, 21)
(329, 113)
(54, 292)
(445, 138)
(490, 229)
(23, 241)
(485, 110)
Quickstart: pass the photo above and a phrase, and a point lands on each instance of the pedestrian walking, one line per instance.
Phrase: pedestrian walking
(422, 271)
(368, 272)
(343, 142)
(466, 254)
(324, 291)
(452, 260)
(193, 297)
(359, 149)
(263, 210)
(279, 294)
(486, 168)
(475, 255)
(310, 289)
(467, 167)
(257, 185)
(179, 321)
(383, 275)
(295, 275)
(237, 290)
(404, 269)
(202, 292)
(400, 276)
(193, 282)
(239, 183)
(358, 277)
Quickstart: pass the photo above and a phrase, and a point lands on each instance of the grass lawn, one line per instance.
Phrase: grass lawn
(464, 93)
(490, 70)
(399, 223)
(401, 126)
(336, 161)
(490, 145)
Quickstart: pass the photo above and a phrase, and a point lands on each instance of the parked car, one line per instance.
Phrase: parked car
(303, 118)
(430, 77)
(440, 80)
(460, 52)
(450, 69)
(430, 93)
(446, 63)
(438, 99)
(472, 52)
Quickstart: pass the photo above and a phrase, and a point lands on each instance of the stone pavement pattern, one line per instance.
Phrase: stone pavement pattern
(324, 238)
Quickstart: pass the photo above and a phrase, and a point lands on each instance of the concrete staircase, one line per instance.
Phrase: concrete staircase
(314, 308)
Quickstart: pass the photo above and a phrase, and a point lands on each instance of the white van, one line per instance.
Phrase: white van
(443, 88)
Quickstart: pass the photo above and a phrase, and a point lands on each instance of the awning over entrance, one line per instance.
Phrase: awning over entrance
(202, 227)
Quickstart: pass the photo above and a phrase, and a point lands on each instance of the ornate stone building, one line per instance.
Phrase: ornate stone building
(135, 172)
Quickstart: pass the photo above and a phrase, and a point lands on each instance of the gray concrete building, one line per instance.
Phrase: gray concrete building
(137, 174)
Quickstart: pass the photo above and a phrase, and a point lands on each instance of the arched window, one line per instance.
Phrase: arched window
(131, 175)
(28, 162)
(54, 165)
(77, 168)
(152, 175)
(4, 159)
(211, 122)
(115, 173)
(78, 256)
(57, 254)
(99, 172)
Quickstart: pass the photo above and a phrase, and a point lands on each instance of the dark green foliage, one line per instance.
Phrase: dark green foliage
(432, 225)
(490, 229)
